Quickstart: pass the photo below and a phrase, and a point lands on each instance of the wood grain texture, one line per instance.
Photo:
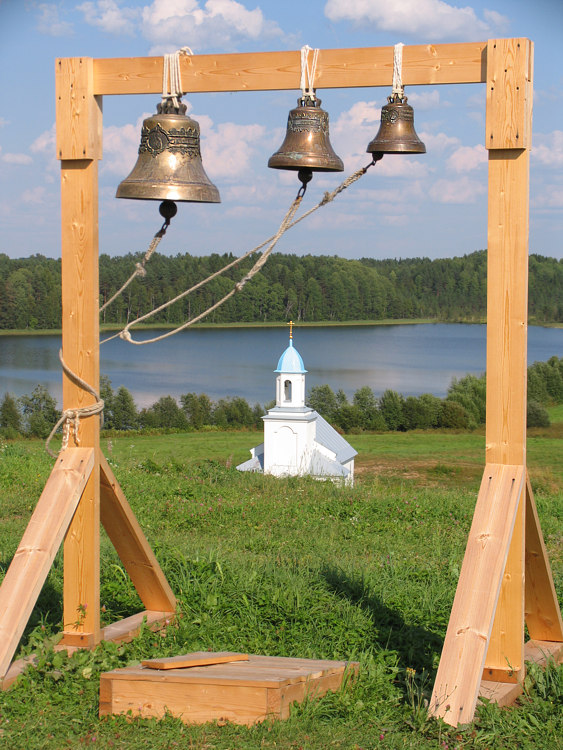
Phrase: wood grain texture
(507, 306)
(463, 656)
(428, 64)
(123, 631)
(542, 612)
(195, 659)
(41, 540)
(131, 545)
(509, 93)
(79, 135)
(78, 112)
(241, 692)
(504, 661)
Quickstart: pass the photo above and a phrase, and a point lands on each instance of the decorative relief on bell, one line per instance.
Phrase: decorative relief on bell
(155, 140)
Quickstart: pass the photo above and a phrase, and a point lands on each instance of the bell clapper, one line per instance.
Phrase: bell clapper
(305, 176)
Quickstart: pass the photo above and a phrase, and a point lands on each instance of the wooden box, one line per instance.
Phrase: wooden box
(244, 692)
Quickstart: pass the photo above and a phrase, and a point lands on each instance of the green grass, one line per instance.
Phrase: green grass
(285, 567)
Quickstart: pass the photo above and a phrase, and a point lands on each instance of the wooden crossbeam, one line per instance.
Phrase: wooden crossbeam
(471, 621)
(42, 538)
(131, 545)
(423, 64)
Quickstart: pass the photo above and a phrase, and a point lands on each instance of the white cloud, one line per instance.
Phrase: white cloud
(50, 23)
(44, 143)
(35, 195)
(438, 142)
(170, 24)
(227, 149)
(467, 158)
(497, 20)
(462, 190)
(433, 19)
(3, 122)
(121, 147)
(424, 99)
(16, 158)
(109, 16)
(547, 148)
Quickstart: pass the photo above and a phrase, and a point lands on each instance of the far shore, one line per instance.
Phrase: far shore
(271, 324)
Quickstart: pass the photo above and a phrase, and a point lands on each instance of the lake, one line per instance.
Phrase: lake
(411, 359)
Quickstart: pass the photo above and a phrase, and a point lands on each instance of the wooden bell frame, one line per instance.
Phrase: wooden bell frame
(505, 579)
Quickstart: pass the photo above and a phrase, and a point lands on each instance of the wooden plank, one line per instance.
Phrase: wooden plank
(428, 64)
(128, 628)
(79, 114)
(463, 657)
(503, 693)
(505, 655)
(509, 94)
(41, 540)
(196, 659)
(245, 705)
(507, 306)
(542, 612)
(131, 545)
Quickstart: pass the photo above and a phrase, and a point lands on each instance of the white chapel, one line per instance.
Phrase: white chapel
(297, 440)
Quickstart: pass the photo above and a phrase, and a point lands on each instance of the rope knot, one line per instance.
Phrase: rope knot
(141, 270)
(125, 335)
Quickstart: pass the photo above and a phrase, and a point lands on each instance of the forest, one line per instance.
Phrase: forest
(306, 288)
(463, 408)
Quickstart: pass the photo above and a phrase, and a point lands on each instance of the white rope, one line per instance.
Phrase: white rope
(398, 70)
(307, 83)
(171, 76)
(286, 224)
(70, 419)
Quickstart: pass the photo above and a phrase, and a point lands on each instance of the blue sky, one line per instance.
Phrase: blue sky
(430, 205)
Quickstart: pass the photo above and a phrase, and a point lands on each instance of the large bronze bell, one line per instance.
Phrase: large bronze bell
(396, 133)
(169, 165)
(306, 147)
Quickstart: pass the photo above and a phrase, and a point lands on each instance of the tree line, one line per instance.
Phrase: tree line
(305, 288)
(463, 408)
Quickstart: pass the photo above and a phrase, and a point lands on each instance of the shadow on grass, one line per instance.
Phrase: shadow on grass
(416, 647)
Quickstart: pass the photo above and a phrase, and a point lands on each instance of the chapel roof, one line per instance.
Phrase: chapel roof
(290, 361)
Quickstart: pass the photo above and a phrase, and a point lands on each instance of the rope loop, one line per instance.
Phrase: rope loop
(70, 418)
(307, 83)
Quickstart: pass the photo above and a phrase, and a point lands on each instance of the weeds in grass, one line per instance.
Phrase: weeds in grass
(282, 567)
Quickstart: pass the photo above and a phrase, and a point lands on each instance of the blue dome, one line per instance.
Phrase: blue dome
(290, 360)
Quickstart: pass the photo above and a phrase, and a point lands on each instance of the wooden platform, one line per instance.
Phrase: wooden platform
(505, 693)
(243, 692)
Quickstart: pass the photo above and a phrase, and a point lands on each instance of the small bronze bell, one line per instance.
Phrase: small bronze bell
(306, 147)
(396, 133)
(169, 165)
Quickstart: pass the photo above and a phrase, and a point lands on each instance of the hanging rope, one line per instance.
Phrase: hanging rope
(172, 78)
(70, 419)
(308, 74)
(398, 70)
(286, 224)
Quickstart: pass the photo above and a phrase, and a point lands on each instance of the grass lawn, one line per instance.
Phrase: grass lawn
(288, 567)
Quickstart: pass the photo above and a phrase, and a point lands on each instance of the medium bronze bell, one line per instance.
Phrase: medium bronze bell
(306, 147)
(169, 165)
(396, 133)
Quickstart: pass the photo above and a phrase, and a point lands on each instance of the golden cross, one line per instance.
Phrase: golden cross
(290, 324)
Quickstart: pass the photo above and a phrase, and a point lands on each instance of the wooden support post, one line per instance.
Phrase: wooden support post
(463, 657)
(131, 545)
(79, 148)
(33, 559)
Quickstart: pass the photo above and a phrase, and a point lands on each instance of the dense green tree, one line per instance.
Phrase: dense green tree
(321, 398)
(536, 415)
(454, 415)
(164, 413)
(125, 416)
(198, 409)
(370, 418)
(40, 412)
(10, 416)
(421, 413)
(471, 392)
(391, 408)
